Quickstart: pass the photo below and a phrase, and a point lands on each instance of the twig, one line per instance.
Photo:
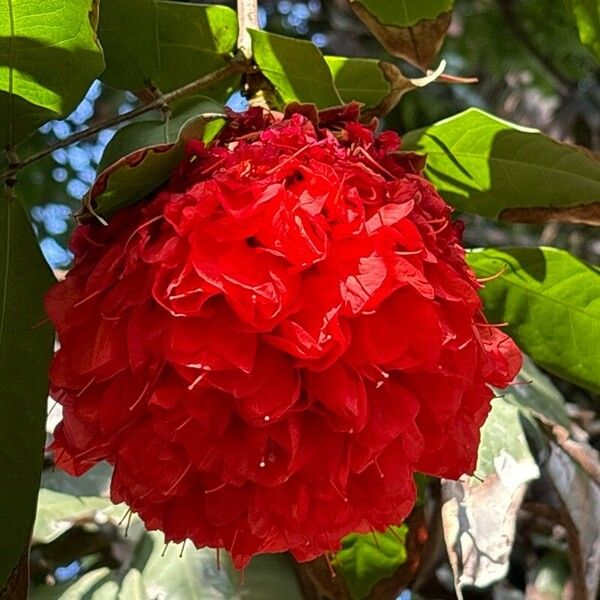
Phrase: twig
(235, 66)
(247, 19)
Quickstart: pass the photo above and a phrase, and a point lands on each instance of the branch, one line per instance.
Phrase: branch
(247, 19)
(235, 66)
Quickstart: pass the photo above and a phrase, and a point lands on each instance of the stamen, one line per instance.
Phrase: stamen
(393, 532)
(340, 493)
(492, 277)
(42, 322)
(140, 398)
(184, 424)
(87, 298)
(197, 380)
(374, 535)
(179, 479)
(294, 155)
(438, 231)
(142, 226)
(128, 523)
(125, 516)
(86, 386)
(465, 344)
(219, 487)
(373, 162)
(331, 569)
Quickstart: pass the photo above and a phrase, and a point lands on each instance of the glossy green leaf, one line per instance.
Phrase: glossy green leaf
(359, 79)
(484, 165)
(406, 28)
(375, 83)
(587, 17)
(25, 351)
(154, 132)
(155, 43)
(365, 559)
(139, 173)
(296, 68)
(551, 302)
(49, 56)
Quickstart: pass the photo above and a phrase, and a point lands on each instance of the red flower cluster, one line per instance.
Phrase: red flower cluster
(269, 347)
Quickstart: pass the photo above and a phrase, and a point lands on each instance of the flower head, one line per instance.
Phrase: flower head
(269, 347)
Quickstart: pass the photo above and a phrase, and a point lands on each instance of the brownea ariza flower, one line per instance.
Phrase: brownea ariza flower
(270, 346)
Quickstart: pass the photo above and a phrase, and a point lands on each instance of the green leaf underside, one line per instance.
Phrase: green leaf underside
(49, 56)
(24, 354)
(153, 132)
(502, 436)
(179, 571)
(405, 13)
(359, 79)
(365, 559)
(163, 44)
(143, 171)
(296, 68)
(484, 165)
(587, 17)
(57, 512)
(537, 396)
(551, 302)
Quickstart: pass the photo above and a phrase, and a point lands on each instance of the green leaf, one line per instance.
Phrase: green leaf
(502, 435)
(57, 512)
(141, 172)
(25, 351)
(375, 83)
(484, 165)
(551, 576)
(296, 68)
(181, 572)
(365, 559)
(479, 514)
(405, 28)
(359, 79)
(587, 17)
(551, 302)
(154, 43)
(95, 482)
(49, 56)
(405, 13)
(537, 396)
(154, 132)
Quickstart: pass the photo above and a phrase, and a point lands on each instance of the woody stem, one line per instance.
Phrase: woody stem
(235, 66)
(247, 19)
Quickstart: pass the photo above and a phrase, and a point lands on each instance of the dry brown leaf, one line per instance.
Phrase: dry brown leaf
(418, 44)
